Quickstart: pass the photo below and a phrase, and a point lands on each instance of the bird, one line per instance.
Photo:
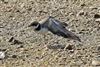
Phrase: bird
(54, 26)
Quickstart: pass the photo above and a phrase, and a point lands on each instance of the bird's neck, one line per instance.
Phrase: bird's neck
(38, 27)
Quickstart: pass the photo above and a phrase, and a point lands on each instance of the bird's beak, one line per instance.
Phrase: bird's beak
(35, 23)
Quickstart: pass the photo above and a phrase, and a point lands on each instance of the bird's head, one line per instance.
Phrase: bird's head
(36, 25)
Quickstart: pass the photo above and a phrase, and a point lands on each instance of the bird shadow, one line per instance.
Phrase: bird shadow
(56, 46)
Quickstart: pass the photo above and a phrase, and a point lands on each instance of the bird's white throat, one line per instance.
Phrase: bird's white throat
(43, 30)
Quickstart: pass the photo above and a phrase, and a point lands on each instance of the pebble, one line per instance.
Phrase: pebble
(97, 20)
(2, 55)
(96, 16)
(98, 47)
(22, 5)
(70, 47)
(14, 41)
(81, 12)
(14, 56)
(20, 46)
(96, 62)
(4, 1)
(83, 4)
(92, 7)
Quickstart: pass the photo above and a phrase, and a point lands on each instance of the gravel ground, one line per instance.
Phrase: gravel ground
(24, 47)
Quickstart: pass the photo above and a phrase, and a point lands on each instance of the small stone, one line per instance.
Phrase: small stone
(92, 7)
(37, 57)
(20, 46)
(96, 62)
(97, 20)
(80, 13)
(14, 56)
(2, 55)
(17, 42)
(69, 47)
(96, 16)
(5, 1)
(22, 5)
(29, 9)
(11, 39)
(3, 49)
(14, 41)
(71, 51)
(83, 4)
(98, 47)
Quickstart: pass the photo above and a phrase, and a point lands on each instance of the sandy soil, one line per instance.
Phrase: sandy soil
(35, 50)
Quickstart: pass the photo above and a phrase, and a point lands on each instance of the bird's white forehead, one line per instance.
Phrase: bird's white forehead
(43, 20)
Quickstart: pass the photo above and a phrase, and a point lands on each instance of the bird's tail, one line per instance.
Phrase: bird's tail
(71, 35)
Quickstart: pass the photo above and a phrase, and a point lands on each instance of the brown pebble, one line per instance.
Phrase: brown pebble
(20, 46)
(14, 41)
(69, 47)
(98, 48)
(96, 16)
(83, 4)
(17, 42)
(11, 39)
(80, 13)
(14, 56)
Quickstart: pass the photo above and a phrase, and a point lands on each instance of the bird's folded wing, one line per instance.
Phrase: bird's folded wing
(57, 22)
(59, 30)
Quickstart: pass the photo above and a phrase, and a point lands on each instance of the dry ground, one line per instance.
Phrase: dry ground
(35, 50)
